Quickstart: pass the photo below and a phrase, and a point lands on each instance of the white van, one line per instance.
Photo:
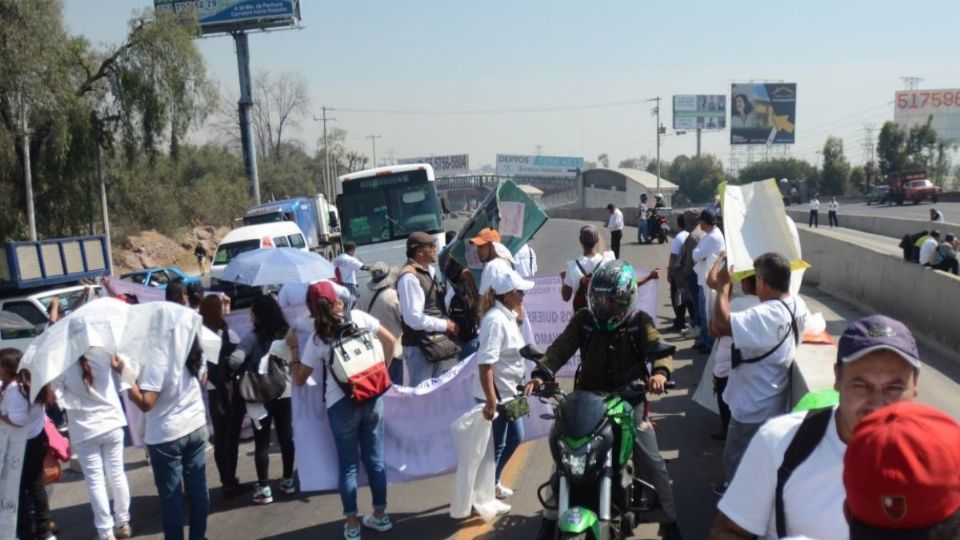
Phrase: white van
(249, 238)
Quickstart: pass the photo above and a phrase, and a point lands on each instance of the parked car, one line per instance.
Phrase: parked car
(33, 307)
(159, 277)
(877, 194)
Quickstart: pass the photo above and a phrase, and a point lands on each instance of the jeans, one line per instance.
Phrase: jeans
(705, 338)
(279, 412)
(354, 294)
(226, 412)
(361, 425)
(679, 307)
(101, 459)
(469, 347)
(420, 369)
(507, 436)
(719, 385)
(947, 265)
(33, 494)
(738, 437)
(832, 215)
(814, 219)
(643, 231)
(649, 463)
(615, 237)
(179, 467)
(690, 284)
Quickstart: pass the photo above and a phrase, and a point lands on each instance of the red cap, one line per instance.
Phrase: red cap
(485, 236)
(902, 467)
(321, 289)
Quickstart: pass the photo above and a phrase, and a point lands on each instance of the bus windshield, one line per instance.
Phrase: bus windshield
(226, 252)
(385, 208)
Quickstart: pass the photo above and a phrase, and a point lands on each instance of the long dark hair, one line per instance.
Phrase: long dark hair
(195, 357)
(86, 372)
(211, 310)
(270, 324)
(326, 322)
(10, 362)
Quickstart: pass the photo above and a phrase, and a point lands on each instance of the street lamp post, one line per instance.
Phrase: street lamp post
(373, 140)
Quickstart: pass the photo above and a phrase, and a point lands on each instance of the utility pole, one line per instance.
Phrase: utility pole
(699, 131)
(656, 111)
(244, 107)
(868, 148)
(103, 203)
(539, 148)
(27, 172)
(328, 180)
(373, 140)
(912, 83)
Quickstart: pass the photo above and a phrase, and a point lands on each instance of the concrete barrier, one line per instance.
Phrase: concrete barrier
(883, 225)
(925, 300)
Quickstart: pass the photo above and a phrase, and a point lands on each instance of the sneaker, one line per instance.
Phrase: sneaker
(263, 495)
(379, 524)
(502, 508)
(503, 492)
(123, 531)
(719, 489)
(288, 486)
(351, 533)
(690, 330)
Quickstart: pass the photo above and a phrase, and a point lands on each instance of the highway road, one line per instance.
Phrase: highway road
(950, 210)
(420, 510)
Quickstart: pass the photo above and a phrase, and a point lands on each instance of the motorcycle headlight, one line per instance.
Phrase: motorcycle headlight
(583, 461)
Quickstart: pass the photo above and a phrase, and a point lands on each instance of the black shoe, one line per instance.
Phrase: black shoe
(670, 531)
(547, 530)
(719, 436)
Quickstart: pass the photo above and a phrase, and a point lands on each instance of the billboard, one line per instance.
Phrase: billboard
(442, 165)
(699, 112)
(914, 107)
(525, 165)
(231, 15)
(763, 113)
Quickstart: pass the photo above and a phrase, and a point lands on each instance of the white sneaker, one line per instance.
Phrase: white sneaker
(503, 492)
(502, 508)
(691, 330)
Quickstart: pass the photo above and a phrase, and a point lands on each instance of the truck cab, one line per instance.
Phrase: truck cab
(911, 186)
(317, 219)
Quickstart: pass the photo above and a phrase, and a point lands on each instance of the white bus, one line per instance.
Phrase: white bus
(380, 207)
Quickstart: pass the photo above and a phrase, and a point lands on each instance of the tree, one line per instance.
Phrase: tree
(858, 178)
(696, 177)
(916, 149)
(795, 170)
(891, 149)
(836, 169)
(635, 163)
(604, 160)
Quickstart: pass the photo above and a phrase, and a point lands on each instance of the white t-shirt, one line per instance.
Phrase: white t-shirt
(500, 343)
(814, 204)
(491, 270)
(721, 362)
(573, 275)
(94, 409)
(813, 496)
(759, 391)
(833, 206)
(615, 223)
(348, 266)
(712, 243)
(179, 409)
(317, 353)
(292, 294)
(677, 246)
(29, 416)
(526, 261)
(927, 249)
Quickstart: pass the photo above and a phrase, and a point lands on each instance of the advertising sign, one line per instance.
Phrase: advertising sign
(763, 113)
(442, 165)
(524, 165)
(699, 112)
(914, 107)
(231, 15)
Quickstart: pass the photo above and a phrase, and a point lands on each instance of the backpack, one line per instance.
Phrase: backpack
(580, 298)
(805, 441)
(357, 365)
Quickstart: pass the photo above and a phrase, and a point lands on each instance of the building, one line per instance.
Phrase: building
(623, 188)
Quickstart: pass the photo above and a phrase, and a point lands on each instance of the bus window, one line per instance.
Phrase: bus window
(416, 209)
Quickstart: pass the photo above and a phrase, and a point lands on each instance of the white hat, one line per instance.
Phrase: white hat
(503, 252)
(510, 280)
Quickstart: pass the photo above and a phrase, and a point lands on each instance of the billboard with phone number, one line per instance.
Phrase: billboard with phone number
(763, 113)
(231, 15)
(915, 107)
(442, 165)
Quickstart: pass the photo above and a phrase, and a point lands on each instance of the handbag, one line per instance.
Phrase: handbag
(51, 469)
(261, 388)
(437, 347)
(515, 408)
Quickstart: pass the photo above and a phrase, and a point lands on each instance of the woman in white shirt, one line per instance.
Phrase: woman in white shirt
(501, 366)
(354, 426)
(27, 420)
(96, 420)
(176, 437)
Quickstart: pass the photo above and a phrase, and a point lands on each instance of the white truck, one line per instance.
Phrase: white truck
(316, 217)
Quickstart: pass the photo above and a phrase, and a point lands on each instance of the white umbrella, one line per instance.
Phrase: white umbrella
(277, 266)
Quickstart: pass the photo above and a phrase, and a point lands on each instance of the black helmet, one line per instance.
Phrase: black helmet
(612, 295)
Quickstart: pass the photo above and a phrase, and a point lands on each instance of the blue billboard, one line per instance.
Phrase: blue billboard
(231, 15)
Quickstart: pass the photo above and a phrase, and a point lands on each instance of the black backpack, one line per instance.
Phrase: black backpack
(805, 441)
(580, 298)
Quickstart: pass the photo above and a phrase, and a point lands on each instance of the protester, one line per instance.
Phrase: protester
(176, 292)
(96, 418)
(711, 244)
(224, 402)
(673, 269)
(491, 253)
(901, 473)
(463, 304)
(576, 278)
(877, 364)
(724, 345)
(176, 438)
(832, 208)
(945, 257)
(928, 247)
(195, 295)
(615, 224)
(16, 411)
(422, 311)
(354, 426)
(688, 277)
(269, 325)
(501, 367)
(347, 265)
(766, 338)
(936, 216)
(526, 259)
(643, 234)
(814, 211)
(613, 339)
(379, 298)
(200, 253)
(295, 294)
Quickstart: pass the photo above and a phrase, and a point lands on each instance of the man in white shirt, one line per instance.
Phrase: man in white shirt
(929, 247)
(348, 265)
(496, 258)
(673, 271)
(766, 339)
(643, 234)
(711, 244)
(582, 267)
(877, 365)
(526, 261)
(936, 216)
(814, 212)
(832, 208)
(615, 224)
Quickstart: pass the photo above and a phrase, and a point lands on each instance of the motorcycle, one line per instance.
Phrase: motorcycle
(658, 227)
(598, 494)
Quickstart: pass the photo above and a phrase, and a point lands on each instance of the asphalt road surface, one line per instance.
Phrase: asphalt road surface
(420, 510)
(950, 210)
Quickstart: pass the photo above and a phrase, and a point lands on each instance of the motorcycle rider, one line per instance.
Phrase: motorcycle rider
(608, 358)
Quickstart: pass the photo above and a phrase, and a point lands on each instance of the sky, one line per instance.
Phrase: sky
(495, 58)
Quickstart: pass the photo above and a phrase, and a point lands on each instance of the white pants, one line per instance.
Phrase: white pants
(101, 459)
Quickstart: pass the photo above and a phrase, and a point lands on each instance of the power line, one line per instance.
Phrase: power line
(496, 111)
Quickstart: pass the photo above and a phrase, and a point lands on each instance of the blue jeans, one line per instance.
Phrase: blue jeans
(354, 294)
(705, 338)
(182, 462)
(468, 348)
(693, 296)
(359, 425)
(643, 231)
(507, 436)
(420, 369)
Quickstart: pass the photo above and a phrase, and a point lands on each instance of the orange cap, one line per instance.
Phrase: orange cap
(485, 236)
